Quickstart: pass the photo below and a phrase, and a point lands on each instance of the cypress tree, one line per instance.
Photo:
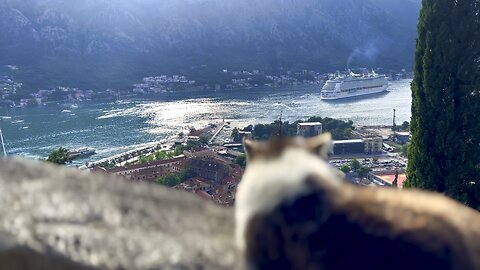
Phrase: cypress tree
(444, 155)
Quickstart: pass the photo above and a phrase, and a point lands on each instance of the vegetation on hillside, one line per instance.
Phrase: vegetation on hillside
(205, 38)
(340, 129)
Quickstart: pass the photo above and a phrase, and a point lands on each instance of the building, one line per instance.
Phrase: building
(373, 145)
(210, 168)
(402, 137)
(309, 129)
(204, 195)
(194, 185)
(358, 146)
(199, 152)
(349, 147)
(242, 135)
(149, 171)
(224, 194)
(193, 138)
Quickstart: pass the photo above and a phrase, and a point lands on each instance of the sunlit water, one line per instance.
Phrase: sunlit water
(117, 126)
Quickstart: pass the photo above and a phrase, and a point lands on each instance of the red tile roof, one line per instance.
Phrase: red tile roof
(203, 195)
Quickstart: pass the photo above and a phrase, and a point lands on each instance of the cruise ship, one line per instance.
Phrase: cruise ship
(354, 85)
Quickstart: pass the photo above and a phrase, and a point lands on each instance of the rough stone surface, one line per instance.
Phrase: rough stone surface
(57, 218)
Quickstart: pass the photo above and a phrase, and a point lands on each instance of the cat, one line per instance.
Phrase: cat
(294, 211)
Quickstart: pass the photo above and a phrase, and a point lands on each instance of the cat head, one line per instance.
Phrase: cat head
(267, 150)
(277, 171)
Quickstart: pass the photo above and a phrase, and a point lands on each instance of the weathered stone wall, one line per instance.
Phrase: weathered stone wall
(57, 218)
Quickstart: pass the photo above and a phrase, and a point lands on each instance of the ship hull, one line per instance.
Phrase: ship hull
(359, 93)
(81, 153)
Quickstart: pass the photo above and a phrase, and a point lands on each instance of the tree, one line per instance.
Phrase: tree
(170, 180)
(248, 128)
(405, 126)
(363, 171)
(186, 175)
(192, 144)
(241, 160)
(395, 127)
(146, 159)
(395, 181)
(347, 133)
(443, 155)
(162, 155)
(355, 165)
(179, 150)
(60, 156)
(404, 150)
(173, 179)
(345, 168)
(204, 140)
(340, 129)
(235, 134)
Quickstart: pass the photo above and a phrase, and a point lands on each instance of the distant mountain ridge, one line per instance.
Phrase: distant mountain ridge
(101, 43)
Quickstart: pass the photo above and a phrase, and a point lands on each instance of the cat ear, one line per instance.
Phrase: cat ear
(320, 145)
(250, 148)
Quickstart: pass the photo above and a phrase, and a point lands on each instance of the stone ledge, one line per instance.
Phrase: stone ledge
(60, 218)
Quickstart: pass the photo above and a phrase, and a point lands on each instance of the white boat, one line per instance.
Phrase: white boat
(354, 85)
(81, 152)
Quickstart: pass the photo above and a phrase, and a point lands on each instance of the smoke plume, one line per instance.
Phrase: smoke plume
(367, 52)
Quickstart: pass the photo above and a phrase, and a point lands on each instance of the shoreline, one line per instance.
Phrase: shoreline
(168, 144)
(132, 155)
(135, 124)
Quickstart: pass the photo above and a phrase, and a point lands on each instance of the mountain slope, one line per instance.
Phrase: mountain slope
(102, 43)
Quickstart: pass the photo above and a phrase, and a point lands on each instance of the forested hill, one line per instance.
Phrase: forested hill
(103, 43)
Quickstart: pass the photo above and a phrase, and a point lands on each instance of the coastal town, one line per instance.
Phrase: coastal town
(210, 134)
(209, 162)
(13, 93)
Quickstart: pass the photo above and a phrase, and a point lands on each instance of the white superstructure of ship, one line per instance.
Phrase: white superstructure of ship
(81, 152)
(354, 85)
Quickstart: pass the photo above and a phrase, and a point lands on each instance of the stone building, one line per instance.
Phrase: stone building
(210, 168)
(149, 171)
(309, 129)
(373, 145)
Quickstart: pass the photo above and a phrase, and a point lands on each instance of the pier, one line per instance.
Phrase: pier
(129, 156)
(215, 134)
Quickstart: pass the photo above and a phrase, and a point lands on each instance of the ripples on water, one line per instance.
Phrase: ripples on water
(115, 127)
